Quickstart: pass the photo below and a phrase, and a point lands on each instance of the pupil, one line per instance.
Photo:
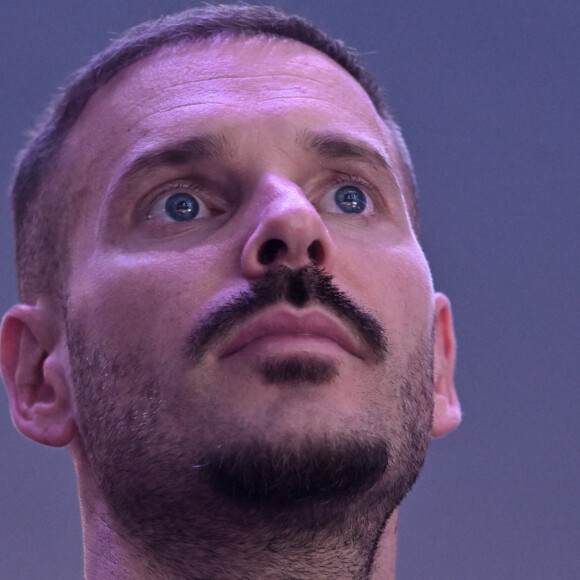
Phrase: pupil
(182, 207)
(350, 199)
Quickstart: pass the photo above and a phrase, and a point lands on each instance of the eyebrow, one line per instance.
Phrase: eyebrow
(326, 144)
(332, 145)
(176, 154)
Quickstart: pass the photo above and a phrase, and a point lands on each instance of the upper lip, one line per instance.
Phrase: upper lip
(283, 321)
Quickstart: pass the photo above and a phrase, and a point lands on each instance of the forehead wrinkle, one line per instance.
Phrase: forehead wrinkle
(147, 77)
(219, 94)
(250, 76)
(234, 106)
(222, 97)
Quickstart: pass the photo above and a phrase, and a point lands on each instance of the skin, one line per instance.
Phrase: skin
(140, 283)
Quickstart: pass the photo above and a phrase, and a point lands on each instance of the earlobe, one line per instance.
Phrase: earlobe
(34, 368)
(447, 411)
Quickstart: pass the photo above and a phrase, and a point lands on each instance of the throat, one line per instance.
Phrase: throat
(292, 544)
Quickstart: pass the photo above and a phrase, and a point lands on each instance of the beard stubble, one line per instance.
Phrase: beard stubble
(158, 483)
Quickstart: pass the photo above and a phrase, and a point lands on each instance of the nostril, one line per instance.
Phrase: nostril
(315, 252)
(270, 250)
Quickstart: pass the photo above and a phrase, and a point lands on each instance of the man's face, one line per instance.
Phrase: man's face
(205, 174)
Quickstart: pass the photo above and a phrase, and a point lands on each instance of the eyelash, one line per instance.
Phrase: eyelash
(347, 179)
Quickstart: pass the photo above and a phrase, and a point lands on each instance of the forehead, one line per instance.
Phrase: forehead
(264, 90)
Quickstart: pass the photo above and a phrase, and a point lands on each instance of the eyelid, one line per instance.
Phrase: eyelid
(350, 179)
(170, 188)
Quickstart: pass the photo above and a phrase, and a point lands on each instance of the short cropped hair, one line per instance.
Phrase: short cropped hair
(43, 213)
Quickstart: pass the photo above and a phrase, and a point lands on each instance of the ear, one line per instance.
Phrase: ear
(34, 361)
(447, 412)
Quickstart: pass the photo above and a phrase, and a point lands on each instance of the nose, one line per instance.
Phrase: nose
(290, 231)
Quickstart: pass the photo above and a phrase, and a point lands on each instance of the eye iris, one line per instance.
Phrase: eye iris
(350, 199)
(182, 207)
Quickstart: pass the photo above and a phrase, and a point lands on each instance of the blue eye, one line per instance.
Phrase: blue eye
(179, 203)
(181, 207)
(350, 199)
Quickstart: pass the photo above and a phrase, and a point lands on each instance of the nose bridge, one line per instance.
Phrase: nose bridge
(289, 231)
(280, 198)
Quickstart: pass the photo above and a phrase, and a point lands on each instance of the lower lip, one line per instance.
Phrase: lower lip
(284, 344)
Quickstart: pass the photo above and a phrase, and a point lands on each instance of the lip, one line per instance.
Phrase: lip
(281, 327)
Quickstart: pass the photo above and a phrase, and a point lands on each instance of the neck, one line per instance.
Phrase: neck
(238, 542)
(216, 550)
(109, 554)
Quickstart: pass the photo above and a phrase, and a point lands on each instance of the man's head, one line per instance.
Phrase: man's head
(250, 336)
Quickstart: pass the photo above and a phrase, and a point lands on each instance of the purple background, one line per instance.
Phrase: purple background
(487, 95)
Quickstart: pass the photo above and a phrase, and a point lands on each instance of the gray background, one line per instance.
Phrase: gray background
(487, 94)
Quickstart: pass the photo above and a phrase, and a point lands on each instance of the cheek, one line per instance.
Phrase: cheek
(142, 299)
(394, 282)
